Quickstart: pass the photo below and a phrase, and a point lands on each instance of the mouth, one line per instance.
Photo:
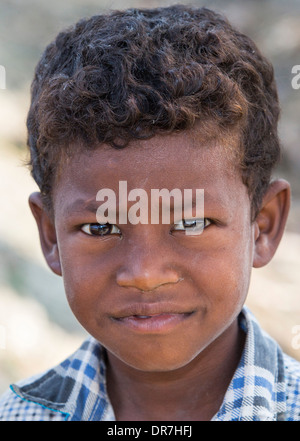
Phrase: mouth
(151, 318)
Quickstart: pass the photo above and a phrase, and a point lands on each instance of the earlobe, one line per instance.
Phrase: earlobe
(47, 232)
(270, 222)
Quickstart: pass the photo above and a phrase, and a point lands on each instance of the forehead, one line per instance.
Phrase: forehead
(180, 155)
(184, 160)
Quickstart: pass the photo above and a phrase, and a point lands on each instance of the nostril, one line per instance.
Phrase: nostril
(160, 284)
(148, 280)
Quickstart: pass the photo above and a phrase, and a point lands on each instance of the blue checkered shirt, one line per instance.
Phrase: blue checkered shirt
(265, 386)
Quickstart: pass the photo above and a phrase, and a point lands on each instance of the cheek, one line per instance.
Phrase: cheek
(85, 279)
(223, 275)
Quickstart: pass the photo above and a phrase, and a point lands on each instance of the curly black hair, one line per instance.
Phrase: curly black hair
(132, 74)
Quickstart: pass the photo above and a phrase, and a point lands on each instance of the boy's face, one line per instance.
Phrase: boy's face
(155, 297)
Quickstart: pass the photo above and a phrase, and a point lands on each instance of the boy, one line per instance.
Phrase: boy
(169, 98)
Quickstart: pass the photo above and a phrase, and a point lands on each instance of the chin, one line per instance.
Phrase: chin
(162, 361)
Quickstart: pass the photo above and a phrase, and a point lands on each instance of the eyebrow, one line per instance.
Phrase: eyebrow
(91, 205)
(80, 205)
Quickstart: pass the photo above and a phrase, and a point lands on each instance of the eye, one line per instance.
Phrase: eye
(196, 225)
(100, 229)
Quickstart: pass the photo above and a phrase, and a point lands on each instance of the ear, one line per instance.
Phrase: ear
(270, 221)
(47, 232)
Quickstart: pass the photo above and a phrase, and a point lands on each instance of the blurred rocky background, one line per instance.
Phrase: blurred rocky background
(37, 329)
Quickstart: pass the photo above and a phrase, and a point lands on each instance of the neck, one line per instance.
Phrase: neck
(193, 392)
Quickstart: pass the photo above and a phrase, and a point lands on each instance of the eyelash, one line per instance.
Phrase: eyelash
(202, 223)
(102, 230)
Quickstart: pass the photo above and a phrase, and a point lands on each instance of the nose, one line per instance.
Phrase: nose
(146, 269)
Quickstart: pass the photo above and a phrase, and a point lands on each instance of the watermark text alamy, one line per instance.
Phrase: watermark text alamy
(187, 204)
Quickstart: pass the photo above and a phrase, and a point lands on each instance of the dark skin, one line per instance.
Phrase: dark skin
(198, 284)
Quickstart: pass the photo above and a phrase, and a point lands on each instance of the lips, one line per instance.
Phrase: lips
(145, 310)
(154, 317)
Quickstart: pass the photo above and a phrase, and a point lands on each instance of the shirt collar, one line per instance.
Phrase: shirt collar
(257, 389)
(88, 399)
(76, 388)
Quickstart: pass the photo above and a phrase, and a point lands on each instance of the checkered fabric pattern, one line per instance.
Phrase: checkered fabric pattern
(265, 386)
(75, 390)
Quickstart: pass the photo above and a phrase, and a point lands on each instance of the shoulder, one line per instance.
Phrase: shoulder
(14, 407)
(73, 390)
(40, 397)
(276, 373)
(292, 378)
